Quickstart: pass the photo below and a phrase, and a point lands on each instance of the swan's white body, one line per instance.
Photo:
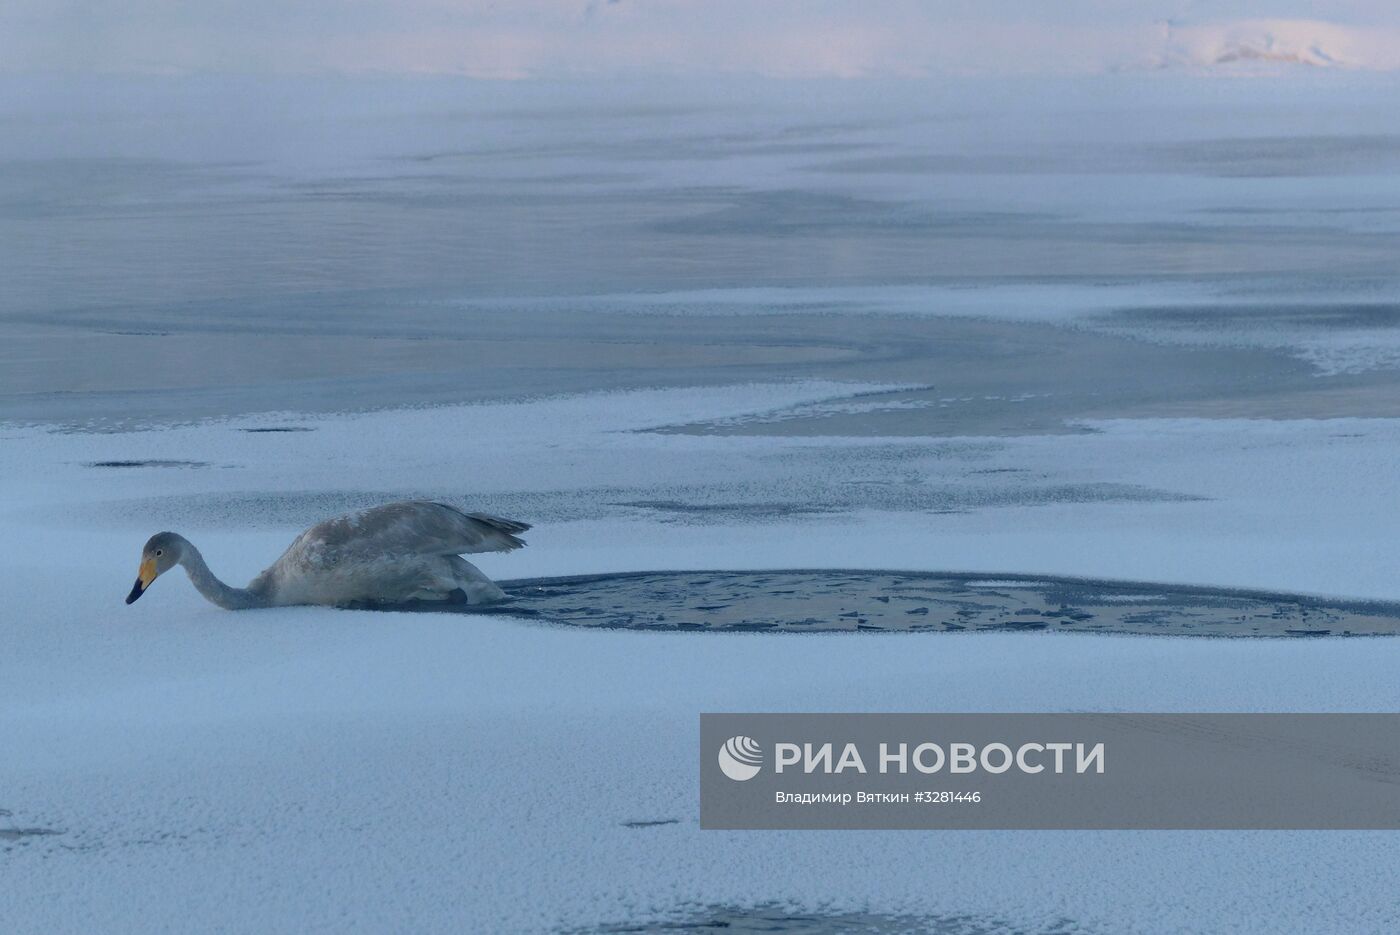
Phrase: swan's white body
(391, 554)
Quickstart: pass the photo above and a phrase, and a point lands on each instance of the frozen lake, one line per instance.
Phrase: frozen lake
(1030, 332)
(219, 246)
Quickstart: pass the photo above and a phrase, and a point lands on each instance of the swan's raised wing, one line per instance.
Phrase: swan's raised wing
(410, 527)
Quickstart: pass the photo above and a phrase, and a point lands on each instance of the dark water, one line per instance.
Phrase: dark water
(832, 600)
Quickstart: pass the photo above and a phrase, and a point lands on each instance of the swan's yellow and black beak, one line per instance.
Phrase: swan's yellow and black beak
(144, 577)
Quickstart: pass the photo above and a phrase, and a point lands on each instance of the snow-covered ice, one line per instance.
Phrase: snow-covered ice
(313, 769)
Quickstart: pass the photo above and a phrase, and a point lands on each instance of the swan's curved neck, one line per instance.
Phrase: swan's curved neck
(212, 588)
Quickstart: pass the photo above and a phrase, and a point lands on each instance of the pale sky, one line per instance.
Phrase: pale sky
(779, 38)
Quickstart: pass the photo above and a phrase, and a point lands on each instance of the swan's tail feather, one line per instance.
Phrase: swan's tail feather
(506, 528)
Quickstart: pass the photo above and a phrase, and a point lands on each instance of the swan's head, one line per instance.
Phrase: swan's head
(161, 553)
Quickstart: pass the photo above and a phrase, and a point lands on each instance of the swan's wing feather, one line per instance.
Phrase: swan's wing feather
(410, 527)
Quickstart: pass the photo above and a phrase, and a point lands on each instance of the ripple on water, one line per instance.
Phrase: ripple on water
(774, 918)
(816, 600)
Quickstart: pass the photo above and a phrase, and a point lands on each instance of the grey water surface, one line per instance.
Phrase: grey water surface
(326, 245)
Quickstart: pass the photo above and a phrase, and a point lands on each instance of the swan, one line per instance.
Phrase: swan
(405, 551)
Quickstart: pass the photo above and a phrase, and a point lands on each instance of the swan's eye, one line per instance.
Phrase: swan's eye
(158, 551)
